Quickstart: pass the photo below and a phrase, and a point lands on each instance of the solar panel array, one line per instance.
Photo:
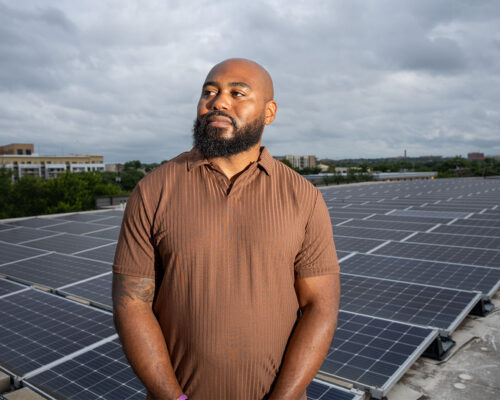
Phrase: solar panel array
(416, 258)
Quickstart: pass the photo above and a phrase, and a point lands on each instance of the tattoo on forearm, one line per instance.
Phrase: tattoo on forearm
(132, 288)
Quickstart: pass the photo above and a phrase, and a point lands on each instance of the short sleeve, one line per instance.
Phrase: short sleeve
(135, 253)
(317, 255)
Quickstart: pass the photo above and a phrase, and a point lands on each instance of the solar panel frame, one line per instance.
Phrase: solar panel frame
(112, 233)
(8, 287)
(431, 214)
(322, 390)
(450, 254)
(36, 222)
(490, 223)
(96, 291)
(15, 252)
(391, 225)
(435, 307)
(100, 373)
(76, 228)
(39, 329)
(369, 233)
(353, 335)
(351, 244)
(21, 234)
(102, 253)
(477, 242)
(456, 276)
(82, 217)
(468, 230)
(68, 243)
(53, 270)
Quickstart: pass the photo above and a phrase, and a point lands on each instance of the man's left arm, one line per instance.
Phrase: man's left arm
(319, 298)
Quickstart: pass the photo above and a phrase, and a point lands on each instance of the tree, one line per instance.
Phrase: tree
(286, 162)
(130, 178)
(134, 164)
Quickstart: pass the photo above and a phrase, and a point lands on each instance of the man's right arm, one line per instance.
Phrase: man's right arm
(141, 335)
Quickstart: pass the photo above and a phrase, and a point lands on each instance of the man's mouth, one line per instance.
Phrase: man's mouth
(219, 121)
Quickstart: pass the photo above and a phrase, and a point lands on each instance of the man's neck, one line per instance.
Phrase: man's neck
(233, 165)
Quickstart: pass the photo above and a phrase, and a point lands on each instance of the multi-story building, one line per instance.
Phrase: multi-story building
(21, 159)
(299, 162)
(475, 156)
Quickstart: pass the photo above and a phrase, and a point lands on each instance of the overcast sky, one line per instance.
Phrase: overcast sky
(353, 78)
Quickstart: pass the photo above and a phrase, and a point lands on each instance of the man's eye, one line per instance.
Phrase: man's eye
(208, 92)
(238, 94)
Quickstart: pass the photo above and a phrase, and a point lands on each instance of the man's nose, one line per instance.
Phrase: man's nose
(220, 102)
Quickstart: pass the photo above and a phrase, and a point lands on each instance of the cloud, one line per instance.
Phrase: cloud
(353, 78)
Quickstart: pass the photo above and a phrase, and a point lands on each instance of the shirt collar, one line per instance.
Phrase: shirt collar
(195, 159)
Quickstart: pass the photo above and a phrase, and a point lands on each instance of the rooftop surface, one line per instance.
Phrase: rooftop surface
(420, 265)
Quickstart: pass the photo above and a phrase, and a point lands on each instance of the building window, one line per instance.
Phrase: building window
(20, 151)
(28, 152)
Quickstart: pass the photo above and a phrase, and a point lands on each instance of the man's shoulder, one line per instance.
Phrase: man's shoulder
(170, 168)
(293, 179)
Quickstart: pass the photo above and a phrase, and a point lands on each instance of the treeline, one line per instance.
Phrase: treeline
(68, 192)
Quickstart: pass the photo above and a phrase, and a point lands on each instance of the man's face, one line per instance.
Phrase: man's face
(231, 111)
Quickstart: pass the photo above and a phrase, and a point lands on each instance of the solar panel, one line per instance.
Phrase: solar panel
(13, 252)
(493, 223)
(104, 253)
(372, 353)
(8, 287)
(22, 234)
(406, 302)
(68, 243)
(485, 258)
(115, 221)
(468, 230)
(54, 270)
(38, 328)
(369, 233)
(112, 233)
(101, 373)
(463, 277)
(431, 214)
(350, 244)
(319, 390)
(397, 218)
(456, 240)
(355, 215)
(84, 217)
(4, 226)
(76, 227)
(403, 226)
(36, 222)
(96, 291)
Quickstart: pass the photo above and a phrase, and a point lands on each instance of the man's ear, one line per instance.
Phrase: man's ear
(270, 112)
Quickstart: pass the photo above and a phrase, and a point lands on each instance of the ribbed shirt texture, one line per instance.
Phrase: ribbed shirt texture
(225, 258)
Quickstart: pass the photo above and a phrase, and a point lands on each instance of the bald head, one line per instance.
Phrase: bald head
(249, 69)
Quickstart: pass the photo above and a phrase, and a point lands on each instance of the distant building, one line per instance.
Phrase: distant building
(475, 156)
(21, 159)
(17, 149)
(299, 162)
(113, 167)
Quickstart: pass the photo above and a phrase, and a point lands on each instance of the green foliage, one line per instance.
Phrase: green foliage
(134, 164)
(66, 193)
(130, 178)
(286, 162)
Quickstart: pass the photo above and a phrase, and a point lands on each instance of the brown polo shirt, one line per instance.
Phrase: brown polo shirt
(227, 256)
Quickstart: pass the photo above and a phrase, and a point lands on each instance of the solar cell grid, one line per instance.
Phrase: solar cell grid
(68, 243)
(403, 226)
(486, 258)
(430, 214)
(83, 217)
(369, 233)
(39, 328)
(398, 218)
(13, 252)
(455, 276)
(319, 390)
(350, 244)
(97, 291)
(76, 227)
(111, 233)
(456, 240)
(22, 234)
(53, 270)
(477, 222)
(468, 230)
(371, 352)
(115, 221)
(101, 373)
(104, 253)
(410, 303)
(36, 222)
(5, 226)
(7, 287)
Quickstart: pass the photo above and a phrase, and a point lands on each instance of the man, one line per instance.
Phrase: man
(219, 248)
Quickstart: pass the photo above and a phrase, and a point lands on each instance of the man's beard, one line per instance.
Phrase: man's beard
(210, 142)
